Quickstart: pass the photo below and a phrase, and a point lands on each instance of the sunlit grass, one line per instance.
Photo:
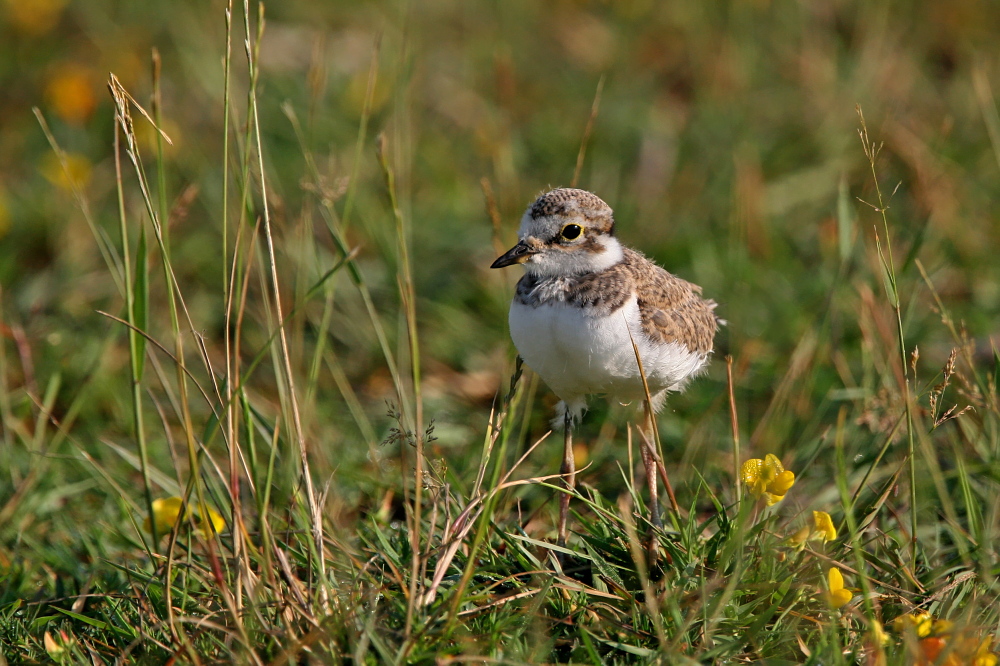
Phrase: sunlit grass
(274, 464)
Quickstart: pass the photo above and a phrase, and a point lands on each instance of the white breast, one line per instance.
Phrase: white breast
(579, 354)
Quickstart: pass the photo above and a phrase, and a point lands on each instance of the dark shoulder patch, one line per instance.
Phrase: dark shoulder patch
(525, 287)
(605, 291)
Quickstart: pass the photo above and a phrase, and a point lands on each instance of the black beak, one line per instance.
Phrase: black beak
(515, 255)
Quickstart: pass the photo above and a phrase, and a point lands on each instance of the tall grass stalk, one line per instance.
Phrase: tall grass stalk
(587, 131)
(229, 288)
(123, 103)
(737, 476)
(892, 291)
(136, 341)
(315, 511)
(409, 296)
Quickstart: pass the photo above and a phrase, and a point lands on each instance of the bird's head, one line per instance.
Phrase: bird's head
(565, 232)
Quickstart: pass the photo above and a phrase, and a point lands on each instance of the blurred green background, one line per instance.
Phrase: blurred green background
(726, 141)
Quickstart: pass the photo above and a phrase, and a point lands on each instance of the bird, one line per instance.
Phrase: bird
(588, 310)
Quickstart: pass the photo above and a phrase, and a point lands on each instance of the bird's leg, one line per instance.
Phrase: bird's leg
(650, 459)
(648, 433)
(649, 462)
(569, 474)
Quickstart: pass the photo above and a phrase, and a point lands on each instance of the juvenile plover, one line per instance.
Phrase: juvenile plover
(583, 302)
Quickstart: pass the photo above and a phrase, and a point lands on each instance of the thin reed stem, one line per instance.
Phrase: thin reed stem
(136, 343)
(587, 130)
(409, 297)
(316, 516)
(738, 477)
(892, 291)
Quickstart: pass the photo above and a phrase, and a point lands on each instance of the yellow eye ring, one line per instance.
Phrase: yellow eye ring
(571, 231)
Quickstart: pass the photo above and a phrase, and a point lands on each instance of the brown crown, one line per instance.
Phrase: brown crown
(570, 201)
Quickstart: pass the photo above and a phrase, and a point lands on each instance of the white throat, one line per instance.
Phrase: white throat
(555, 264)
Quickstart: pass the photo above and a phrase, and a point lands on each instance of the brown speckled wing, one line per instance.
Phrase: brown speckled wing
(672, 309)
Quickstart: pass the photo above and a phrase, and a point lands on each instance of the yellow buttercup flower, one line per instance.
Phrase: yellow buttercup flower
(148, 136)
(798, 540)
(216, 523)
(59, 648)
(942, 627)
(919, 623)
(167, 511)
(36, 17)
(960, 650)
(767, 478)
(964, 647)
(838, 595)
(73, 172)
(824, 526)
(878, 633)
(72, 93)
(984, 656)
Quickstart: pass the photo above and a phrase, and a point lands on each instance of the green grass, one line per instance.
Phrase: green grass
(283, 314)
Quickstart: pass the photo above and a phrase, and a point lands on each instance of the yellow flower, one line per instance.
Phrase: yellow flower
(167, 512)
(878, 633)
(919, 623)
(942, 627)
(822, 529)
(71, 92)
(148, 136)
(74, 173)
(798, 540)
(838, 595)
(984, 656)
(962, 651)
(824, 526)
(935, 637)
(767, 478)
(60, 648)
(353, 99)
(35, 17)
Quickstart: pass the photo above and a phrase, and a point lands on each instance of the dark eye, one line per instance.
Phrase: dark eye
(572, 231)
